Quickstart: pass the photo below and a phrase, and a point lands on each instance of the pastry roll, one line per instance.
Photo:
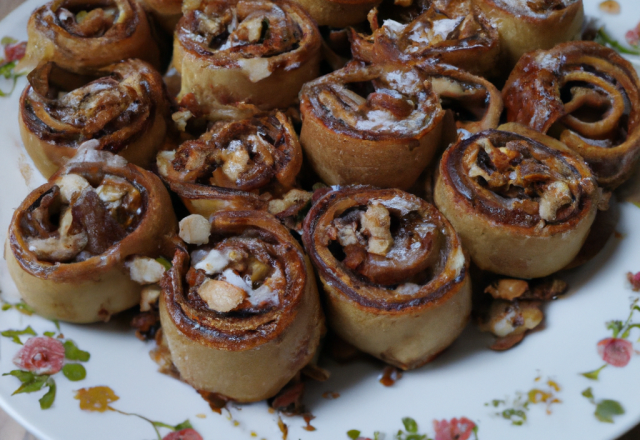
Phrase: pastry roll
(241, 165)
(252, 52)
(81, 247)
(474, 103)
(377, 125)
(452, 32)
(522, 204)
(240, 313)
(395, 277)
(338, 13)
(166, 12)
(532, 24)
(587, 96)
(122, 106)
(81, 35)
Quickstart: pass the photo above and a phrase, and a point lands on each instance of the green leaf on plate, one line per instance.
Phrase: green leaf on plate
(47, 400)
(8, 40)
(615, 327)
(606, 409)
(593, 375)
(49, 334)
(410, 425)
(606, 40)
(35, 384)
(14, 334)
(74, 372)
(73, 353)
(23, 376)
(516, 416)
(184, 425)
(353, 434)
(588, 393)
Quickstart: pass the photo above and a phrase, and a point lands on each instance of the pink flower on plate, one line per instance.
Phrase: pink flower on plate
(633, 36)
(615, 351)
(454, 429)
(634, 280)
(184, 434)
(40, 355)
(15, 51)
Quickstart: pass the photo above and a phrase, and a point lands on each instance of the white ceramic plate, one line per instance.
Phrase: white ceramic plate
(458, 384)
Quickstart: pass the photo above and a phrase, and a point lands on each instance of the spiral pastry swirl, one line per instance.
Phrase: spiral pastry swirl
(122, 106)
(252, 52)
(377, 125)
(587, 96)
(81, 35)
(394, 273)
(523, 204)
(532, 24)
(452, 32)
(235, 165)
(240, 311)
(72, 242)
(473, 102)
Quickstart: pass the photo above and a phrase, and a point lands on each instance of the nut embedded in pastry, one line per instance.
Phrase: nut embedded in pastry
(395, 277)
(586, 95)
(122, 106)
(76, 243)
(241, 314)
(522, 207)
(338, 13)
(240, 165)
(234, 52)
(81, 35)
(452, 32)
(377, 125)
(526, 25)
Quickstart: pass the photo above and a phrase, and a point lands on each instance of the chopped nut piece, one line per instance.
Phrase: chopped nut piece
(145, 270)
(236, 160)
(258, 270)
(221, 296)
(181, 118)
(507, 318)
(215, 262)
(293, 197)
(546, 290)
(507, 289)
(604, 199)
(557, 195)
(347, 234)
(148, 296)
(376, 222)
(163, 161)
(195, 229)
(70, 184)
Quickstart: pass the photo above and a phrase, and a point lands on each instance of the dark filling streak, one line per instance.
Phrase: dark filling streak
(103, 231)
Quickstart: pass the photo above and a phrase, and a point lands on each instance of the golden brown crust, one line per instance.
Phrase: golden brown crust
(338, 13)
(530, 25)
(451, 32)
(287, 323)
(94, 278)
(122, 106)
(81, 35)
(377, 125)
(166, 12)
(273, 48)
(235, 165)
(586, 95)
(521, 207)
(380, 301)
